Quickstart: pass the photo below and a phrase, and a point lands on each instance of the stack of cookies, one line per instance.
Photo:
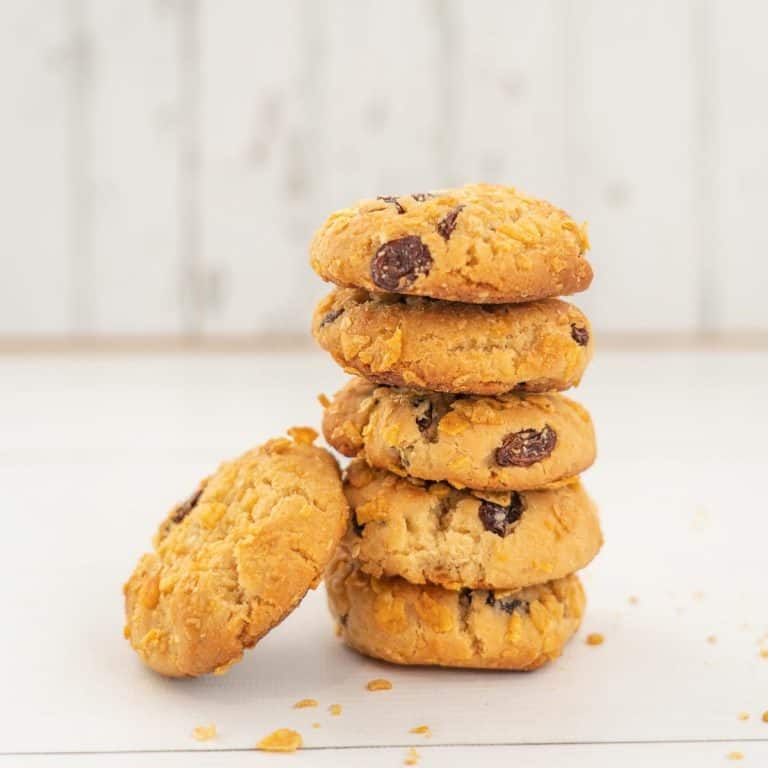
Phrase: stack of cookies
(469, 520)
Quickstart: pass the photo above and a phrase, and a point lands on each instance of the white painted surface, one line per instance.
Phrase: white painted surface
(164, 163)
(94, 450)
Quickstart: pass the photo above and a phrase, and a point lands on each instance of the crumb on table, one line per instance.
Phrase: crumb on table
(765, 716)
(335, 709)
(315, 725)
(712, 639)
(743, 715)
(735, 755)
(281, 740)
(205, 732)
(412, 758)
(305, 703)
(764, 653)
(379, 684)
(595, 638)
(422, 730)
(633, 600)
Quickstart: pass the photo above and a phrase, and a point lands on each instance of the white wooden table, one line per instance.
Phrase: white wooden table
(94, 450)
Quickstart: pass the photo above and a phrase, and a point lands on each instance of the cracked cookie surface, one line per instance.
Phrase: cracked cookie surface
(481, 243)
(234, 559)
(448, 347)
(399, 622)
(431, 532)
(510, 442)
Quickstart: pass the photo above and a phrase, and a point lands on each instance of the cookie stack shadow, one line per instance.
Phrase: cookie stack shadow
(469, 520)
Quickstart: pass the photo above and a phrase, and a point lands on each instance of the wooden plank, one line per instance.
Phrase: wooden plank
(510, 125)
(740, 66)
(134, 275)
(259, 140)
(38, 64)
(631, 118)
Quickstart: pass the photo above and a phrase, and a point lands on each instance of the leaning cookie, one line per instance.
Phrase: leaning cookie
(511, 442)
(482, 243)
(447, 347)
(234, 559)
(430, 532)
(399, 622)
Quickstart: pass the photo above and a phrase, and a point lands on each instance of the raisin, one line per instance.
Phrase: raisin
(399, 262)
(499, 520)
(465, 597)
(447, 224)
(420, 197)
(426, 417)
(579, 335)
(507, 604)
(184, 509)
(524, 448)
(332, 316)
(393, 200)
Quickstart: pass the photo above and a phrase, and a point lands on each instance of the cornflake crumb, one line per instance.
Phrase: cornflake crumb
(595, 639)
(379, 684)
(743, 715)
(303, 435)
(633, 600)
(712, 639)
(764, 653)
(205, 732)
(323, 400)
(335, 709)
(281, 740)
(315, 725)
(735, 755)
(765, 716)
(422, 730)
(305, 704)
(413, 757)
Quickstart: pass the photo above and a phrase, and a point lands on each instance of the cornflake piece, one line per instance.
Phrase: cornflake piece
(413, 757)
(633, 600)
(735, 755)
(303, 435)
(315, 725)
(712, 639)
(764, 653)
(379, 684)
(323, 400)
(335, 709)
(743, 715)
(765, 716)
(422, 730)
(205, 732)
(595, 638)
(305, 704)
(281, 740)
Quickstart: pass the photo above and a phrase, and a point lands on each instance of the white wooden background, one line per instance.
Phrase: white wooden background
(164, 162)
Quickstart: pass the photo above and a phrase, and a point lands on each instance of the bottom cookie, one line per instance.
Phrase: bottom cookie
(404, 623)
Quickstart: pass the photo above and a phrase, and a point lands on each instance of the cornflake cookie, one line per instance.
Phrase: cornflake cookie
(430, 532)
(508, 442)
(482, 243)
(236, 558)
(394, 620)
(461, 348)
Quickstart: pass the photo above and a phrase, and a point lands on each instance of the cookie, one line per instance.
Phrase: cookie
(400, 622)
(483, 243)
(511, 442)
(430, 532)
(235, 558)
(447, 347)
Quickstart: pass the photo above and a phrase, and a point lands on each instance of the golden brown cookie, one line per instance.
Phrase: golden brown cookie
(430, 532)
(394, 620)
(482, 243)
(447, 347)
(511, 442)
(234, 559)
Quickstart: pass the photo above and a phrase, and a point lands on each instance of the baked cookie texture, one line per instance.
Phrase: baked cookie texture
(461, 348)
(234, 559)
(400, 622)
(431, 532)
(510, 442)
(481, 243)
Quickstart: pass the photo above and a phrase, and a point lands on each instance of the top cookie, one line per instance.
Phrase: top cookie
(482, 244)
(235, 558)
